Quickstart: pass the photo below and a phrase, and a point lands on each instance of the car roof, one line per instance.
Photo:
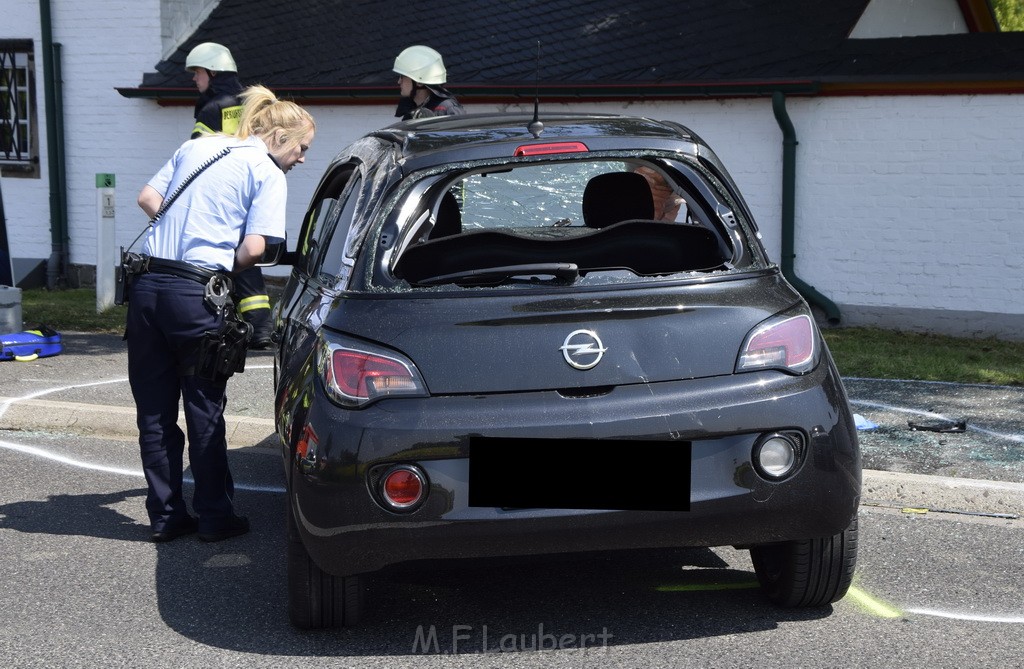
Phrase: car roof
(444, 139)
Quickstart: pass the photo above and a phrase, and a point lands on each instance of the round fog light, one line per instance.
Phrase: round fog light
(403, 488)
(776, 456)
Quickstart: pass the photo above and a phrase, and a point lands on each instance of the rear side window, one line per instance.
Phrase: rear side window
(558, 223)
(333, 262)
(328, 219)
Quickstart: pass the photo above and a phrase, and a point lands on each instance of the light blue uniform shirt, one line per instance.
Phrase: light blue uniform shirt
(243, 193)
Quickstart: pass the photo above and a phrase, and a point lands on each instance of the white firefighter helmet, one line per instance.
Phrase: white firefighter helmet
(421, 64)
(211, 56)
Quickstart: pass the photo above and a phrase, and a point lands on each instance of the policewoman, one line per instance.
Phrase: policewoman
(218, 223)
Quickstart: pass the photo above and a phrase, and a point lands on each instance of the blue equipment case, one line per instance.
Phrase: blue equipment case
(30, 344)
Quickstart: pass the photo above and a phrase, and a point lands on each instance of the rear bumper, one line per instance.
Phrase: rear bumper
(346, 531)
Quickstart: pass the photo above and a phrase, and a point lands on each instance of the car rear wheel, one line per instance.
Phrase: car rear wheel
(807, 573)
(316, 599)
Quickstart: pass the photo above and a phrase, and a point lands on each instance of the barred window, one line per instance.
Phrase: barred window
(18, 132)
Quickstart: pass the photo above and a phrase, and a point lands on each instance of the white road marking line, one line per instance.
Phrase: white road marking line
(49, 455)
(973, 617)
(889, 407)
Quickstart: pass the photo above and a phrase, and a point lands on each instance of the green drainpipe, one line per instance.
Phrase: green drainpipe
(789, 211)
(57, 266)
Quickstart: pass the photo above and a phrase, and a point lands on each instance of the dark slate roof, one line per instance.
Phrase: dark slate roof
(345, 48)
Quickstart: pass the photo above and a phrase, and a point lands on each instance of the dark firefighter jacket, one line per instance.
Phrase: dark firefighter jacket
(219, 108)
(440, 103)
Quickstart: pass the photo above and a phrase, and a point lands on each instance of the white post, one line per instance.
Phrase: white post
(106, 254)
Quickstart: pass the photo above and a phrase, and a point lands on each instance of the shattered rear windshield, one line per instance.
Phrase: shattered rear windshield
(558, 223)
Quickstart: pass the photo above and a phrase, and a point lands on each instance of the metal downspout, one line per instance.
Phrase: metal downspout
(789, 143)
(57, 266)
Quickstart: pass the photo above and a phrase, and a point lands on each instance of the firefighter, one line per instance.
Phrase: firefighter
(218, 110)
(421, 81)
(216, 76)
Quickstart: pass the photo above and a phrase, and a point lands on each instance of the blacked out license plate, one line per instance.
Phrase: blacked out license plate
(608, 474)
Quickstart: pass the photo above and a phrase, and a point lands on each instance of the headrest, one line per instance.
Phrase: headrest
(616, 196)
(449, 217)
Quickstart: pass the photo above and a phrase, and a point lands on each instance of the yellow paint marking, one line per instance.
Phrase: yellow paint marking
(875, 607)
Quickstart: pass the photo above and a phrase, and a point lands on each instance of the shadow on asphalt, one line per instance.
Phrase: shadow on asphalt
(224, 595)
(83, 515)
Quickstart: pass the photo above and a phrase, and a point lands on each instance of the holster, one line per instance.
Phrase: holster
(222, 351)
(131, 265)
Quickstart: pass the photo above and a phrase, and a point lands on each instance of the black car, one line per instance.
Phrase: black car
(504, 336)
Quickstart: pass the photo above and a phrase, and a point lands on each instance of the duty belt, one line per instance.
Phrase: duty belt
(178, 268)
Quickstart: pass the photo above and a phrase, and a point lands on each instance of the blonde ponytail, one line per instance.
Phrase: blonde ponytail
(264, 115)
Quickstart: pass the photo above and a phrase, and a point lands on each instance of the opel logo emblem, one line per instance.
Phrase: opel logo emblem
(582, 349)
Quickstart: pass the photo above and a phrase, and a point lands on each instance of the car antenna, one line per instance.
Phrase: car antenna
(536, 127)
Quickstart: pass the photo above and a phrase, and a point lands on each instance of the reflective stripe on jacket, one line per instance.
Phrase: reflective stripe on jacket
(219, 109)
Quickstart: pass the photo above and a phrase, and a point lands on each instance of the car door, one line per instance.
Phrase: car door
(318, 264)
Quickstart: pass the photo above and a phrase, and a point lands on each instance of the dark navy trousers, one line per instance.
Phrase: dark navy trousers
(166, 321)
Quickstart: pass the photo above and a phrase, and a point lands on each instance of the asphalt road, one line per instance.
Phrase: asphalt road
(83, 587)
(938, 583)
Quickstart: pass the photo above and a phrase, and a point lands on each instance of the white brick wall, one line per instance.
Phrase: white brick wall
(903, 203)
(912, 202)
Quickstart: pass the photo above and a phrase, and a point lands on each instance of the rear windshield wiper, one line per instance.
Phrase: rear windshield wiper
(563, 273)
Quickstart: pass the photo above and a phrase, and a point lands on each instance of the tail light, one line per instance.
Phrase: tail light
(357, 375)
(403, 488)
(789, 343)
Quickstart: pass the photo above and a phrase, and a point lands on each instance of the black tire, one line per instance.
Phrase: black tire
(807, 573)
(316, 599)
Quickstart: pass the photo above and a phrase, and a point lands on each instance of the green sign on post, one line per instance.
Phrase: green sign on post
(104, 180)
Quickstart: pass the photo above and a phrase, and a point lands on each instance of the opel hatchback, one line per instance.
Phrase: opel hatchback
(506, 335)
